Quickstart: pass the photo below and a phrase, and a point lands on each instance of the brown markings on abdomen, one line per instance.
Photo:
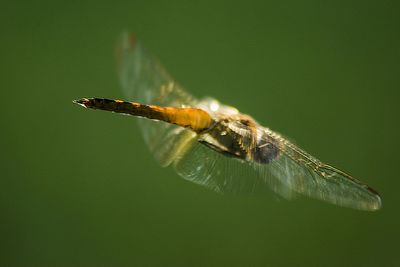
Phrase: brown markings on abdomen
(196, 119)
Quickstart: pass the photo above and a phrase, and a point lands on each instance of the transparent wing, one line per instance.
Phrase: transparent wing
(298, 172)
(294, 172)
(201, 165)
(144, 80)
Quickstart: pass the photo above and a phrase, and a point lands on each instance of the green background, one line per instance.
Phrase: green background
(79, 188)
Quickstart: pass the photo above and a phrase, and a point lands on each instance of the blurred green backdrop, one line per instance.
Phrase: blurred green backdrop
(78, 188)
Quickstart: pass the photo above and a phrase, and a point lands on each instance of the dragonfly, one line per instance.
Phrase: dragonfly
(215, 145)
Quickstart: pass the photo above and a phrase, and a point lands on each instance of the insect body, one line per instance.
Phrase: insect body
(215, 145)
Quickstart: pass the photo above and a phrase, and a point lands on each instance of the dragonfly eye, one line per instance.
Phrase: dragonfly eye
(265, 152)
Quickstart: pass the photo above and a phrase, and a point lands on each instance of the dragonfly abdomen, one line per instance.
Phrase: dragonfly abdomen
(196, 119)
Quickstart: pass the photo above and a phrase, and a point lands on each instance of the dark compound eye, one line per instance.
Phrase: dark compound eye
(265, 151)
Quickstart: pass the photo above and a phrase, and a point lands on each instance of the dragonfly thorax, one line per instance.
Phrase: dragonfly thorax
(241, 137)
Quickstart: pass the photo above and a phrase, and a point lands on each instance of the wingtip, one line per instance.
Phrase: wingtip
(128, 41)
(377, 205)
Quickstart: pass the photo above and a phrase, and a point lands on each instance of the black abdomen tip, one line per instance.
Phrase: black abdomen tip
(84, 102)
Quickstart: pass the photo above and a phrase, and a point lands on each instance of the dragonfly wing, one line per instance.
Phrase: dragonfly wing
(143, 79)
(297, 172)
(292, 173)
(201, 165)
